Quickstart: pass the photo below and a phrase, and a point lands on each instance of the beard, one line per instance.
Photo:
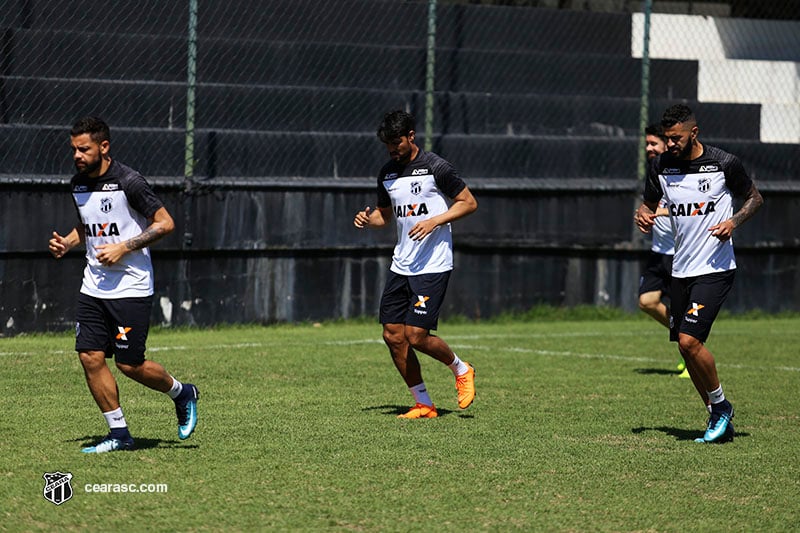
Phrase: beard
(88, 168)
(686, 153)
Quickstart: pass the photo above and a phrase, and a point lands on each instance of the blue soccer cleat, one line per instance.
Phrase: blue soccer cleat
(186, 410)
(110, 444)
(720, 427)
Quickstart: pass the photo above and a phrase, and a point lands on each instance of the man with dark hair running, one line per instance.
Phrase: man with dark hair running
(119, 217)
(424, 193)
(699, 183)
(657, 274)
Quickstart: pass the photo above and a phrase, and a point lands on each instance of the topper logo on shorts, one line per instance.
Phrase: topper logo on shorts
(108, 229)
(410, 210)
(691, 209)
(421, 301)
(420, 307)
(695, 310)
(122, 335)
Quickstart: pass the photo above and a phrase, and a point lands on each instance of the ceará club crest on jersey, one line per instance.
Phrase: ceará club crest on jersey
(416, 187)
(105, 205)
(703, 184)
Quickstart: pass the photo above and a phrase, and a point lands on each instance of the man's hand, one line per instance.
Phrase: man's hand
(58, 245)
(723, 230)
(362, 218)
(644, 218)
(422, 229)
(110, 254)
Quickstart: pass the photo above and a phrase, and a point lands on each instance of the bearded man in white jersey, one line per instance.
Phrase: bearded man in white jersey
(424, 193)
(119, 216)
(656, 276)
(699, 183)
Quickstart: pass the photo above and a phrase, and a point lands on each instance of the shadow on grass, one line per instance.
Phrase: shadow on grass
(140, 442)
(680, 434)
(657, 371)
(395, 410)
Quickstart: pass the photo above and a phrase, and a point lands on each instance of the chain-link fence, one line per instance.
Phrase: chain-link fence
(272, 106)
(295, 88)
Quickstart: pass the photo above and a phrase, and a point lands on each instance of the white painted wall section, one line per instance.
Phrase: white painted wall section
(739, 61)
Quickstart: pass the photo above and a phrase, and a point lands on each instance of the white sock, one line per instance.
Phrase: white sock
(176, 389)
(115, 419)
(421, 394)
(458, 366)
(716, 396)
(709, 408)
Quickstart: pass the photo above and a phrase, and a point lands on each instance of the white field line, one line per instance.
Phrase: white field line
(473, 347)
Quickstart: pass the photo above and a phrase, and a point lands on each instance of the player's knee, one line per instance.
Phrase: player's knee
(393, 338)
(688, 345)
(129, 370)
(416, 337)
(92, 360)
(648, 302)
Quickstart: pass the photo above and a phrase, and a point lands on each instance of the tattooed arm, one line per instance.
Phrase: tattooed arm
(752, 203)
(161, 224)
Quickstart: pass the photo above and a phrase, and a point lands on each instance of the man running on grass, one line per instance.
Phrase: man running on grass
(119, 217)
(424, 194)
(699, 183)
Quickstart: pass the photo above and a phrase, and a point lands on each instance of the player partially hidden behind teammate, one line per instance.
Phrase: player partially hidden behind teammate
(656, 277)
(424, 194)
(699, 183)
(119, 217)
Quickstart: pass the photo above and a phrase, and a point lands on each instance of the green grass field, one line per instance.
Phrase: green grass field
(577, 426)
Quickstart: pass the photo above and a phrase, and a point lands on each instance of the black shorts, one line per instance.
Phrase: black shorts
(657, 273)
(117, 327)
(696, 302)
(413, 300)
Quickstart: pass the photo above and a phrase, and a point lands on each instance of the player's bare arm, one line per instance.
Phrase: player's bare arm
(61, 244)
(645, 216)
(372, 218)
(463, 204)
(161, 224)
(752, 203)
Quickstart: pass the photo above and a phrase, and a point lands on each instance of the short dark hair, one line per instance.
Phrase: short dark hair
(94, 126)
(656, 130)
(396, 124)
(675, 114)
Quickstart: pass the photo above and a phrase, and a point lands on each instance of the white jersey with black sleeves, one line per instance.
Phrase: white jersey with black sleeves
(418, 191)
(699, 195)
(114, 208)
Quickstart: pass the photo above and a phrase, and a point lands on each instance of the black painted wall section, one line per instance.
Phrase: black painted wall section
(289, 252)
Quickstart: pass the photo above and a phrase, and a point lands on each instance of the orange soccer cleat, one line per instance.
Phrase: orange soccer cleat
(465, 385)
(420, 410)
